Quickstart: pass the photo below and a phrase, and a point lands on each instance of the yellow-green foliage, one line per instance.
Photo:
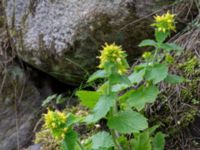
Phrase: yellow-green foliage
(191, 69)
(190, 65)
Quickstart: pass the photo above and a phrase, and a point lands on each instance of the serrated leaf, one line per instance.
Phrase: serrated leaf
(120, 87)
(158, 141)
(170, 47)
(128, 122)
(140, 97)
(72, 119)
(102, 140)
(126, 95)
(142, 141)
(140, 67)
(88, 98)
(96, 75)
(124, 83)
(147, 43)
(174, 79)
(161, 36)
(101, 108)
(69, 142)
(137, 76)
(156, 73)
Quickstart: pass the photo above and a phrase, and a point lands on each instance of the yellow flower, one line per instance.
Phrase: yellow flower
(169, 58)
(165, 22)
(56, 122)
(146, 55)
(113, 54)
(63, 135)
(65, 129)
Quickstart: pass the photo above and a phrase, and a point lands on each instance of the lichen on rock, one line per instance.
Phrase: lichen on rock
(69, 33)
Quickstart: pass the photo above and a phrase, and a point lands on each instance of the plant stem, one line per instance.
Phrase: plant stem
(112, 112)
(80, 145)
(155, 55)
(114, 136)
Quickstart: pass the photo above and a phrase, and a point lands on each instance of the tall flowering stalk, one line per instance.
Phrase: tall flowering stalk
(123, 111)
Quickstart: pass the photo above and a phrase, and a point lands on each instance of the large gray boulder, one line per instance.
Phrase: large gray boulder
(62, 37)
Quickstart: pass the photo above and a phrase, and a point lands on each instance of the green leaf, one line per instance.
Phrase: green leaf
(152, 129)
(120, 87)
(161, 36)
(102, 108)
(124, 83)
(158, 141)
(60, 99)
(137, 76)
(72, 119)
(147, 43)
(88, 98)
(103, 87)
(64, 146)
(102, 140)
(140, 97)
(156, 73)
(48, 100)
(170, 47)
(142, 141)
(128, 122)
(120, 83)
(140, 66)
(126, 96)
(174, 79)
(69, 142)
(96, 75)
(125, 144)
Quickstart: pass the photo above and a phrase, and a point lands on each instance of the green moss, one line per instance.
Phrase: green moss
(187, 117)
(191, 66)
(191, 71)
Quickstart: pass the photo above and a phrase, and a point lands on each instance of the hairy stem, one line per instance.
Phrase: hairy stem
(114, 136)
(112, 112)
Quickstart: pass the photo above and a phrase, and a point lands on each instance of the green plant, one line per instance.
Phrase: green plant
(53, 99)
(122, 98)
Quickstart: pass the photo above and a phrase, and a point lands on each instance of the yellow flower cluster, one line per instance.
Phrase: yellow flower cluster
(115, 55)
(56, 122)
(147, 55)
(165, 22)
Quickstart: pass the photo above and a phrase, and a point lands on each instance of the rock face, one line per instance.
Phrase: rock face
(19, 99)
(62, 37)
(20, 102)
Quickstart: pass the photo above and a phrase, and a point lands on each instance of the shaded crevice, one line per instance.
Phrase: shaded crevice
(46, 84)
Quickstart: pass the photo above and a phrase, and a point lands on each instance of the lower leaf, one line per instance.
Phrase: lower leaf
(128, 122)
(102, 108)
